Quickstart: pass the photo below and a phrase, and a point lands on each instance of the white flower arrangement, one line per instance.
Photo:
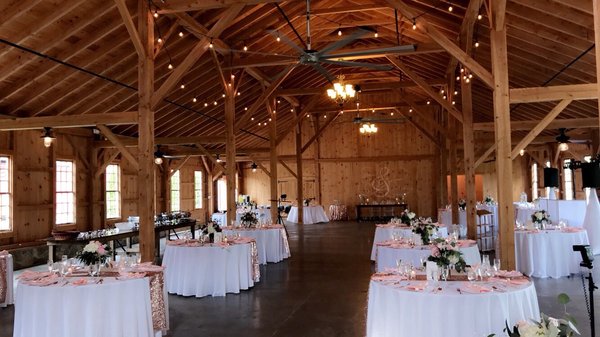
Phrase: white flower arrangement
(540, 217)
(462, 204)
(488, 200)
(94, 252)
(407, 217)
(425, 228)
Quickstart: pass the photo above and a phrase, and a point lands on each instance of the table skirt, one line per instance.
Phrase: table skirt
(6, 280)
(310, 215)
(271, 243)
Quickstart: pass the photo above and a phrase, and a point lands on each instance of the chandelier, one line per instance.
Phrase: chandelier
(341, 91)
(368, 129)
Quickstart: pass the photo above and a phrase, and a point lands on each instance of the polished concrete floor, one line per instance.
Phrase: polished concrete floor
(320, 291)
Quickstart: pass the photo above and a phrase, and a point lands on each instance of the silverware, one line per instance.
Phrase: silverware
(459, 291)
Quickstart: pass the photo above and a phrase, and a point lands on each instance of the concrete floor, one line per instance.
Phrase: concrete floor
(320, 291)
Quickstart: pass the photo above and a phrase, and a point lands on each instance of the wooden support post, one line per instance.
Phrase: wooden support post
(469, 158)
(94, 197)
(273, 159)
(452, 126)
(444, 164)
(503, 141)
(300, 187)
(165, 204)
(146, 181)
(230, 154)
(317, 155)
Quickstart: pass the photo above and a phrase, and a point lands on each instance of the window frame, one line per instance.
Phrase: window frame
(199, 187)
(10, 230)
(73, 221)
(534, 181)
(118, 191)
(178, 173)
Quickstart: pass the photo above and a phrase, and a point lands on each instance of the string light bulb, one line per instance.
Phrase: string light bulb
(215, 103)
(376, 35)
(245, 47)
(450, 8)
(170, 66)
(159, 40)
(180, 34)
(218, 158)
(479, 17)
(476, 44)
(455, 92)
(182, 86)
(155, 14)
(522, 152)
(211, 45)
(194, 100)
(205, 104)
(340, 31)
(414, 27)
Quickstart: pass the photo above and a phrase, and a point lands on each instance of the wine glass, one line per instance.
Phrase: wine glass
(445, 273)
(471, 275)
(50, 265)
(497, 265)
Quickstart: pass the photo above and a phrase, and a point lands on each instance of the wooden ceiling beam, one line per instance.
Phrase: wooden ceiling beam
(347, 9)
(115, 140)
(298, 118)
(319, 132)
(179, 166)
(366, 87)
(131, 29)
(568, 123)
(554, 93)
(175, 6)
(195, 54)
(428, 89)
(73, 121)
(260, 76)
(131, 142)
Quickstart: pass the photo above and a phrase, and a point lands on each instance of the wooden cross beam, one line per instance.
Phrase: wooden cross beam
(174, 6)
(262, 167)
(483, 157)
(70, 121)
(179, 166)
(132, 142)
(540, 127)
(115, 140)
(288, 168)
(319, 132)
(421, 129)
(298, 119)
(417, 110)
(104, 164)
(554, 93)
(207, 154)
(131, 29)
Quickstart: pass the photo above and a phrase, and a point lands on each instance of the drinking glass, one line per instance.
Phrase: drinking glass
(497, 265)
(398, 263)
(423, 260)
(445, 273)
(471, 275)
(50, 265)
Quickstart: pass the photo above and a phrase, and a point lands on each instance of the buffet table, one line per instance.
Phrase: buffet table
(310, 215)
(384, 232)
(388, 252)
(85, 306)
(194, 269)
(271, 241)
(379, 212)
(398, 308)
(6, 279)
(262, 214)
(549, 253)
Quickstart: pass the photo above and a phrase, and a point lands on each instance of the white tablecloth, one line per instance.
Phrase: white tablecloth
(523, 214)
(445, 217)
(310, 215)
(398, 312)
(219, 218)
(383, 232)
(387, 255)
(271, 242)
(572, 211)
(9, 281)
(208, 270)
(112, 308)
(548, 253)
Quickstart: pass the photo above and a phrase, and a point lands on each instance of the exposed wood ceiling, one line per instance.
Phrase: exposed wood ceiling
(71, 57)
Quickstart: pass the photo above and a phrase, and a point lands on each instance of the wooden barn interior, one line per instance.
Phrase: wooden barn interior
(467, 98)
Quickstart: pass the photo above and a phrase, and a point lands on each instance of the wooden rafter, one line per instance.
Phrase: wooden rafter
(319, 132)
(428, 89)
(115, 140)
(131, 142)
(298, 119)
(179, 166)
(165, 38)
(554, 93)
(288, 168)
(174, 6)
(131, 29)
(105, 163)
(568, 123)
(210, 157)
(420, 128)
(485, 155)
(365, 87)
(74, 121)
(422, 115)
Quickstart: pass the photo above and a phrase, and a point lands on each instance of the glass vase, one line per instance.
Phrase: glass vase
(94, 269)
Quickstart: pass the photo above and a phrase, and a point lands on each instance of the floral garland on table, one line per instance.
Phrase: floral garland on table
(488, 200)
(462, 204)
(94, 252)
(446, 254)
(407, 217)
(425, 228)
(546, 327)
(540, 217)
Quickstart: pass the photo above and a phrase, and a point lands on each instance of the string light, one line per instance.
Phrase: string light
(410, 110)
(239, 93)
(453, 102)
(450, 8)
(194, 100)
(223, 95)
(215, 103)
(476, 44)
(307, 115)
(376, 34)
(278, 38)
(245, 47)
(521, 152)
(341, 112)
(155, 14)
(180, 34)
(246, 109)
(205, 104)
(479, 17)
(428, 102)
(182, 86)
(252, 118)
(414, 24)
(391, 113)
(159, 40)
(210, 45)
(269, 119)
(278, 101)
(458, 78)
(340, 31)
(445, 97)
(455, 92)
(170, 66)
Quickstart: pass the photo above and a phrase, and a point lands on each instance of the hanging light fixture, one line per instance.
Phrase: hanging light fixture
(254, 166)
(341, 91)
(563, 140)
(158, 156)
(368, 129)
(522, 152)
(48, 136)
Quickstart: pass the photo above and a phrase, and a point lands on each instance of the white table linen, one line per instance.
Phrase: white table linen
(310, 215)
(388, 253)
(10, 298)
(113, 308)
(383, 232)
(394, 311)
(208, 270)
(271, 242)
(445, 217)
(590, 222)
(548, 253)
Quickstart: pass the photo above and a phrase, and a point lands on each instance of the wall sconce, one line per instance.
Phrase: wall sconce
(48, 136)
(254, 166)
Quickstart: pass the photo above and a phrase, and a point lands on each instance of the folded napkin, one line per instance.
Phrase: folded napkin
(242, 240)
(474, 288)
(507, 273)
(466, 243)
(29, 275)
(515, 282)
(80, 282)
(148, 267)
(572, 230)
(131, 276)
(416, 287)
(46, 281)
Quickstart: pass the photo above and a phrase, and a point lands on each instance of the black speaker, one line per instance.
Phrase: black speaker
(590, 174)
(550, 177)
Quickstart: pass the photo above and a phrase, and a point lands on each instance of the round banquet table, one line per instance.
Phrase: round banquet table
(549, 253)
(210, 269)
(390, 251)
(405, 309)
(383, 232)
(6, 279)
(119, 308)
(271, 241)
(310, 215)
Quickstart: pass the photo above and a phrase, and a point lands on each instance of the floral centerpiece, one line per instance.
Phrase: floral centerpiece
(249, 219)
(425, 228)
(407, 217)
(446, 253)
(94, 252)
(546, 327)
(488, 200)
(540, 217)
(307, 201)
(462, 204)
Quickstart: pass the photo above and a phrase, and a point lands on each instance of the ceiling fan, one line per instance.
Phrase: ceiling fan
(316, 58)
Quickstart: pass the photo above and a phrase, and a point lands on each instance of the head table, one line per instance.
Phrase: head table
(6, 279)
(401, 308)
(195, 269)
(134, 305)
(271, 241)
(388, 252)
(384, 232)
(549, 253)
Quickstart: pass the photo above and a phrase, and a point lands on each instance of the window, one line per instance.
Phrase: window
(65, 192)
(221, 195)
(175, 196)
(568, 180)
(534, 181)
(5, 193)
(587, 159)
(113, 191)
(198, 189)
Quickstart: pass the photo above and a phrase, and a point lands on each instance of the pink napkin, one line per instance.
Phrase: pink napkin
(148, 267)
(416, 287)
(131, 276)
(466, 243)
(476, 288)
(506, 273)
(515, 282)
(29, 275)
(46, 281)
(80, 282)
(572, 230)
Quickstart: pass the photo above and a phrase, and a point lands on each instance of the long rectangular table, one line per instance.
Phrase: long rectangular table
(122, 235)
(379, 212)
